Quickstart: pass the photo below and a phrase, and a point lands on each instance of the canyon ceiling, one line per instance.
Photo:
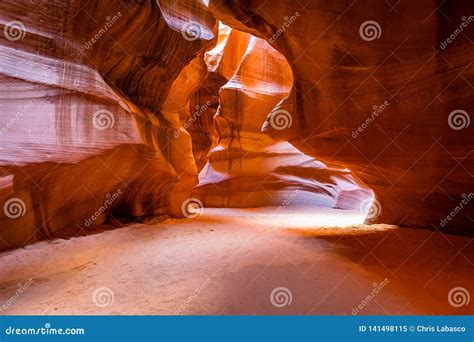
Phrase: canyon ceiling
(131, 108)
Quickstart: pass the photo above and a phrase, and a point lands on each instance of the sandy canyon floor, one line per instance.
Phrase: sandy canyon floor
(230, 261)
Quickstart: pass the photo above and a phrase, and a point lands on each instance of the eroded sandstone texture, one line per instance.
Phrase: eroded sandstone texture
(87, 114)
(112, 108)
(378, 88)
(246, 167)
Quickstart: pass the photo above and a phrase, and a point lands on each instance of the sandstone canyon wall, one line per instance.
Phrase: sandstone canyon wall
(245, 167)
(113, 108)
(384, 89)
(87, 123)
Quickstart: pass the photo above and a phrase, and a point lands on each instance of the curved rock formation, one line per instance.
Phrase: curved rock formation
(86, 120)
(247, 168)
(113, 108)
(386, 92)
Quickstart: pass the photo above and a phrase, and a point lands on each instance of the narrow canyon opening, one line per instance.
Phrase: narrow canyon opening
(158, 161)
(239, 165)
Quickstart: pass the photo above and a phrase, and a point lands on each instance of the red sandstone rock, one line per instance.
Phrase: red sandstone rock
(353, 59)
(116, 116)
(85, 115)
(245, 167)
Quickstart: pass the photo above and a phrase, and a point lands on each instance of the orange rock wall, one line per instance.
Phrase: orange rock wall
(87, 123)
(380, 89)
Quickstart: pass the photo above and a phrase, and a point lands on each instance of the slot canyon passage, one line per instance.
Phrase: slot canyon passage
(236, 157)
